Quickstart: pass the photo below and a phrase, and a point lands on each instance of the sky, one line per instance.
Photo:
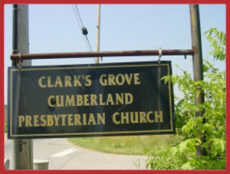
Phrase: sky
(54, 28)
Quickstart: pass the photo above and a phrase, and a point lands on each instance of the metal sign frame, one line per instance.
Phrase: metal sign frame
(146, 94)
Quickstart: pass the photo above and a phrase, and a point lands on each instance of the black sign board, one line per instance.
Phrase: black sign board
(90, 100)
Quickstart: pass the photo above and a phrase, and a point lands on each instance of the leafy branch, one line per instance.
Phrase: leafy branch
(183, 155)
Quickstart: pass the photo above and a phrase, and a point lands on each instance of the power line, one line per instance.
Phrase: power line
(81, 26)
(78, 13)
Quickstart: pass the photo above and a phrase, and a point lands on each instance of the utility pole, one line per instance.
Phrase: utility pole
(23, 148)
(197, 61)
(98, 30)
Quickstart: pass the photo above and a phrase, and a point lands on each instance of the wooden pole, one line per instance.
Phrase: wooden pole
(98, 29)
(23, 149)
(197, 61)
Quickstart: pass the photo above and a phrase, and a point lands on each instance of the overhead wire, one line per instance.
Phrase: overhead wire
(81, 26)
(78, 14)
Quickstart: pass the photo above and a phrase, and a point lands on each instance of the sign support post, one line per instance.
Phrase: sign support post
(23, 151)
(197, 61)
(98, 29)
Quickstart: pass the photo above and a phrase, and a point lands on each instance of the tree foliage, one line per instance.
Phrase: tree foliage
(183, 155)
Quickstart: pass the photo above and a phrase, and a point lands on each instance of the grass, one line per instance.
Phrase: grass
(132, 145)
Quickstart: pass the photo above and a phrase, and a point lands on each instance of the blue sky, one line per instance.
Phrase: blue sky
(53, 28)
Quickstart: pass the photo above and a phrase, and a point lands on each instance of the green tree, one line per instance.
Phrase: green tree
(183, 155)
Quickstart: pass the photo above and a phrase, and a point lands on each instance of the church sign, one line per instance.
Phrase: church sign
(90, 100)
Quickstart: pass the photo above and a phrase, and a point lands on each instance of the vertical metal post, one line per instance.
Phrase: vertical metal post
(98, 29)
(23, 152)
(197, 60)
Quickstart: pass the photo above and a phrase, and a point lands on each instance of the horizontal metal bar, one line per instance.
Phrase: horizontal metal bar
(102, 54)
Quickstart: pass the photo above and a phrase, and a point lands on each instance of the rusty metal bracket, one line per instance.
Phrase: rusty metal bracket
(102, 54)
(160, 54)
(19, 62)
